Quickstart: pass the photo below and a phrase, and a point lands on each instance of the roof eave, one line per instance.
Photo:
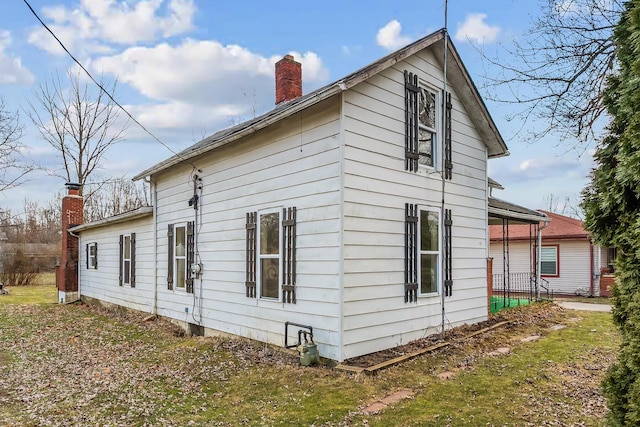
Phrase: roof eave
(127, 216)
(183, 157)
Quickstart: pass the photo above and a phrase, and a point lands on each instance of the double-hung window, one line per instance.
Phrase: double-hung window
(429, 251)
(423, 250)
(92, 255)
(127, 259)
(549, 265)
(426, 127)
(421, 124)
(269, 254)
(181, 256)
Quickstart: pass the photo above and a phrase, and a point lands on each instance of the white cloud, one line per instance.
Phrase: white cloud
(94, 24)
(11, 69)
(231, 78)
(475, 29)
(390, 36)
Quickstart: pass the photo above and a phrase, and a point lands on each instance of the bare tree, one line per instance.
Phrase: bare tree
(114, 197)
(558, 73)
(79, 123)
(567, 207)
(12, 168)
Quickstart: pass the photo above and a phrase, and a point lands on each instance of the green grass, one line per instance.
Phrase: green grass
(129, 372)
(39, 294)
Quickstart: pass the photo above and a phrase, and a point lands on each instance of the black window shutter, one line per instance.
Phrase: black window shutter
(448, 270)
(121, 261)
(87, 251)
(170, 257)
(95, 255)
(190, 255)
(250, 282)
(289, 255)
(132, 263)
(411, 92)
(448, 163)
(410, 253)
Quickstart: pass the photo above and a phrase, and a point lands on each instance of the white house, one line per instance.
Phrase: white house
(360, 210)
(570, 263)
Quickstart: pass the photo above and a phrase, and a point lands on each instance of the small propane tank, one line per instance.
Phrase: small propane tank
(308, 353)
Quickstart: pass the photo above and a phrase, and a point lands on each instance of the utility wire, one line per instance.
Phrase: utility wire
(99, 85)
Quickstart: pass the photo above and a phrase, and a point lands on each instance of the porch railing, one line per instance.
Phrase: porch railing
(519, 289)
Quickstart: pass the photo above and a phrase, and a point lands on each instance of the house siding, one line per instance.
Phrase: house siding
(376, 188)
(294, 163)
(574, 263)
(102, 283)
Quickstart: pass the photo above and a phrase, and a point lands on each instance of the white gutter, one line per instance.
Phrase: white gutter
(135, 214)
(517, 215)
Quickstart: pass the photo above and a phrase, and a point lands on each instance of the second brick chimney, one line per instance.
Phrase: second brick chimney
(288, 79)
(67, 271)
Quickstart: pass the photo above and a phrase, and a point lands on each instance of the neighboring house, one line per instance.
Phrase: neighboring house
(569, 262)
(357, 209)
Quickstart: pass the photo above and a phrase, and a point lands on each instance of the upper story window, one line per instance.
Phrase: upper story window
(426, 127)
(421, 123)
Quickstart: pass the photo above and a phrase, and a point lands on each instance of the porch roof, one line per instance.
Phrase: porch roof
(516, 214)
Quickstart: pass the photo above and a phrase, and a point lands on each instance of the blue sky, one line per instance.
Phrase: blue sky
(187, 68)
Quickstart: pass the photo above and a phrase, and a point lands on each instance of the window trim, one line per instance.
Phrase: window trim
(124, 259)
(176, 257)
(438, 253)
(260, 257)
(92, 260)
(423, 85)
(557, 248)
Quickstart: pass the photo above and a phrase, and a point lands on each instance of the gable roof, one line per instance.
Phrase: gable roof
(457, 75)
(559, 228)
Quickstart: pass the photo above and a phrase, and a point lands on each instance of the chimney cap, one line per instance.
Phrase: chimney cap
(72, 185)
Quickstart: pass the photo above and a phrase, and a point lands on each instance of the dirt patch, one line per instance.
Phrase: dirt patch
(543, 314)
(382, 404)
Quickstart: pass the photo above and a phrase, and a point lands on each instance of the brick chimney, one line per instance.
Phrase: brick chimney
(288, 79)
(67, 271)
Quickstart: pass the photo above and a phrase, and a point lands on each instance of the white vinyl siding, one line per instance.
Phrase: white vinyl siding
(294, 163)
(376, 188)
(574, 257)
(103, 283)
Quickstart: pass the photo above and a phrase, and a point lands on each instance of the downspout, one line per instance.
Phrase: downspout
(442, 132)
(77, 236)
(591, 265)
(154, 201)
(538, 260)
